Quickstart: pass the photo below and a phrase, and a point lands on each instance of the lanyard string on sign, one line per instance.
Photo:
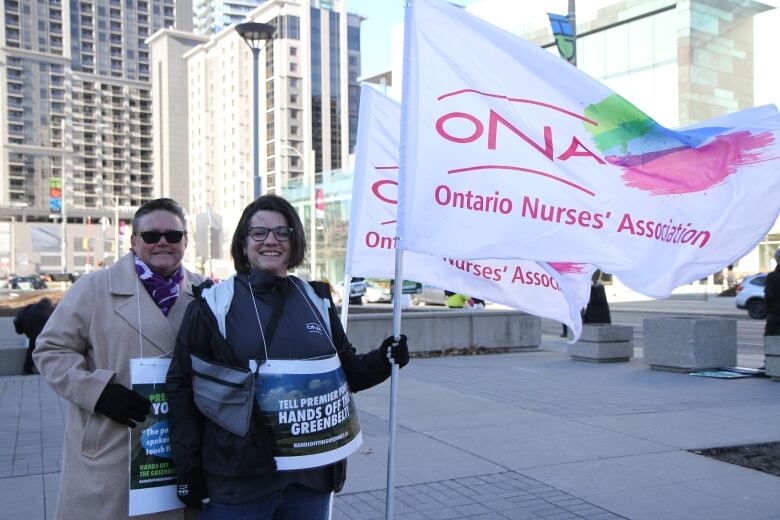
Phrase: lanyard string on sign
(260, 325)
(140, 335)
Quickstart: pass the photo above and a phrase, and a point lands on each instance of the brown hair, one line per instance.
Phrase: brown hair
(268, 203)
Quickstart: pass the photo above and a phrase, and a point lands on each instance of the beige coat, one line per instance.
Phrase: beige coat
(86, 344)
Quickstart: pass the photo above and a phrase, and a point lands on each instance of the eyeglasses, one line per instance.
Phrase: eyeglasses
(259, 233)
(152, 237)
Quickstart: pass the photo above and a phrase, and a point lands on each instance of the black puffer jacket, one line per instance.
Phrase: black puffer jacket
(197, 443)
(772, 293)
(597, 310)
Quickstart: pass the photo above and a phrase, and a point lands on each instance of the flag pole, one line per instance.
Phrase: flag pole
(397, 292)
(345, 290)
(398, 285)
(572, 16)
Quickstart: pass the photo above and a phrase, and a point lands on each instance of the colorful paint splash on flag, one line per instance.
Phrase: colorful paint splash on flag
(668, 162)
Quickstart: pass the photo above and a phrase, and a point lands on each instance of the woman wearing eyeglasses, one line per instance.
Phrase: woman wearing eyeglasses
(283, 335)
(133, 309)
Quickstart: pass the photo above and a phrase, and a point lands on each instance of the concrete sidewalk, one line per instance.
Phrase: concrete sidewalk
(508, 436)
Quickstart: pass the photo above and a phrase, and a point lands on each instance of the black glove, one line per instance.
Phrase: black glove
(191, 489)
(396, 351)
(122, 405)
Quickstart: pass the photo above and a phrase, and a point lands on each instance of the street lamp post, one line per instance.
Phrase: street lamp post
(308, 172)
(117, 207)
(63, 213)
(12, 244)
(12, 267)
(256, 35)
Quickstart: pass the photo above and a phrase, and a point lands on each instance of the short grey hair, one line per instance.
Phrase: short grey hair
(164, 204)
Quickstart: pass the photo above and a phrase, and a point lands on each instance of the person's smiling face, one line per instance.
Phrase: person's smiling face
(270, 255)
(162, 257)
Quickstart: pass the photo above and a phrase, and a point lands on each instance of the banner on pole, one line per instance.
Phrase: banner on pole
(556, 291)
(509, 152)
(564, 37)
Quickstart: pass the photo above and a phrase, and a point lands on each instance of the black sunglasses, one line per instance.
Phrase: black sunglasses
(152, 237)
(260, 233)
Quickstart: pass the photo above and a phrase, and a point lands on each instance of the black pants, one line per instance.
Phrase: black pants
(29, 366)
(772, 325)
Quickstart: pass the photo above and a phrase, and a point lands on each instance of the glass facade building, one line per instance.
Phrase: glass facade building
(308, 104)
(211, 16)
(76, 113)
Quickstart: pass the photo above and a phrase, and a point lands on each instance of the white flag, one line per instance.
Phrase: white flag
(507, 151)
(557, 292)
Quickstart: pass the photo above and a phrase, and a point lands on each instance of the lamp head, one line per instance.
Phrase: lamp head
(256, 34)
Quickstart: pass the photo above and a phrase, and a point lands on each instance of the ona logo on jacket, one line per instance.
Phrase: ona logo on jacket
(314, 328)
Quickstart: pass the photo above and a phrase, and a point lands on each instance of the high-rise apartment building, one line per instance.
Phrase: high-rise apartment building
(308, 104)
(211, 16)
(76, 116)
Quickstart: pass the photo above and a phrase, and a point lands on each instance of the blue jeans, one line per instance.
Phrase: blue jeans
(293, 503)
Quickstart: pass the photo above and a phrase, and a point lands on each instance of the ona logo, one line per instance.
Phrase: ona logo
(496, 121)
(386, 190)
(314, 328)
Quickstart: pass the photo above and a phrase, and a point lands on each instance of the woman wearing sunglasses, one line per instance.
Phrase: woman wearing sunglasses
(282, 337)
(133, 309)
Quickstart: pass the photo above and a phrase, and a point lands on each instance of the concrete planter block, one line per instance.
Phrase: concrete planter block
(690, 344)
(12, 360)
(772, 361)
(772, 345)
(445, 329)
(606, 333)
(772, 365)
(604, 343)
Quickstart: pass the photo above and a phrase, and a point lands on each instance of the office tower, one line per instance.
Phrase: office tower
(308, 104)
(76, 116)
(211, 16)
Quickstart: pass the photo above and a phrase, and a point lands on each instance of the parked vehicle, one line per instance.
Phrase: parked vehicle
(357, 289)
(430, 295)
(27, 283)
(377, 293)
(750, 295)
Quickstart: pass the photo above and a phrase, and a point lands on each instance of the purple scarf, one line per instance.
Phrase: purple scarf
(163, 292)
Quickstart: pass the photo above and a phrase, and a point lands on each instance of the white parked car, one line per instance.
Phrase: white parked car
(357, 289)
(378, 294)
(750, 295)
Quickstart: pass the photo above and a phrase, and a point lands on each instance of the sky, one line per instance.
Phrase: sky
(380, 16)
